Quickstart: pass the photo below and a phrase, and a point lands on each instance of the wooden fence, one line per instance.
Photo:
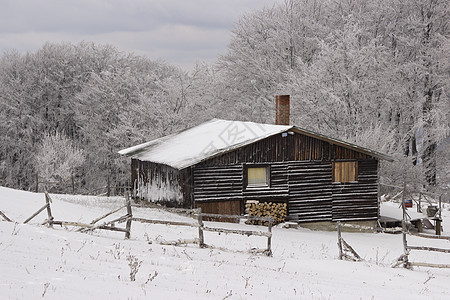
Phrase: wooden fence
(418, 197)
(201, 226)
(404, 258)
(128, 218)
(345, 250)
(110, 225)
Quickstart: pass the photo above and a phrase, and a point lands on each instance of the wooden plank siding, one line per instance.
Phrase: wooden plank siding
(358, 200)
(345, 171)
(156, 183)
(310, 191)
(278, 191)
(218, 183)
(218, 190)
(223, 208)
(186, 182)
(293, 147)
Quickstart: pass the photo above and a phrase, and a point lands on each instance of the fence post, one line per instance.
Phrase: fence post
(269, 238)
(339, 239)
(73, 185)
(201, 241)
(438, 226)
(130, 215)
(108, 188)
(419, 207)
(37, 183)
(405, 243)
(49, 211)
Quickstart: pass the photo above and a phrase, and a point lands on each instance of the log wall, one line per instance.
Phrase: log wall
(278, 190)
(220, 183)
(358, 200)
(310, 191)
(307, 187)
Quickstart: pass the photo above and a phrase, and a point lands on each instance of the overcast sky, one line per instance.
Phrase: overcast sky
(180, 32)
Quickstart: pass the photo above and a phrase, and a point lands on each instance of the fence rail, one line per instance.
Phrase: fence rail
(162, 222)
(421, 196)
(345, 250)
(429, 236)
(5, 217)
(427, 249)
(128, 218)
(201, 227)
(404, 258)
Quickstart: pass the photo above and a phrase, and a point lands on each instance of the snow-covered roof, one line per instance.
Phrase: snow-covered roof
(194, 145)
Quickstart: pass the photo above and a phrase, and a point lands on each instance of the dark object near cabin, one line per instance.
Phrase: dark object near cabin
(220, 165)
(432, 210)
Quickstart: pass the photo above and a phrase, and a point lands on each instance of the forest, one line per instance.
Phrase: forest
(372, 72)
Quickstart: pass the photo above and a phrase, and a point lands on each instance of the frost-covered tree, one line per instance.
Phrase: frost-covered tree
(354, 69)
(57, 159)
(37, 94)
(102, 99)
(136, 101)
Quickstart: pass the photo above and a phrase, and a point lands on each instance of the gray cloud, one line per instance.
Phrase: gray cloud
(180, 32)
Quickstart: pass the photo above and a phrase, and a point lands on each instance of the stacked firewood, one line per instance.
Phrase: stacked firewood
(277, 211)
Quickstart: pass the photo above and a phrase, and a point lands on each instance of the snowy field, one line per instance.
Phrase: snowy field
(39, 262)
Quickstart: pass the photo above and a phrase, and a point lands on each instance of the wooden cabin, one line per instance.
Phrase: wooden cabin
(220, 165)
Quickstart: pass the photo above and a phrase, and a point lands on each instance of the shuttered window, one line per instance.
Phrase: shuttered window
(257, 176)
(345, 171)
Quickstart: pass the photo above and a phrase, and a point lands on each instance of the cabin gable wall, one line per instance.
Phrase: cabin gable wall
(292, 147)
(300, 175)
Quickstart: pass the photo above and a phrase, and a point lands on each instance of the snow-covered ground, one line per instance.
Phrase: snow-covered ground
(60, 263)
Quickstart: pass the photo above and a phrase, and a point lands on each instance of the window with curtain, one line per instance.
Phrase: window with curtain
(257, 176)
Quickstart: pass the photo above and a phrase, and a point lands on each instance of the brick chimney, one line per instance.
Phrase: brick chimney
(282, 110)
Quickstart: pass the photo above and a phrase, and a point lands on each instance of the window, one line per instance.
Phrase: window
(258, 176)
(345, 171)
